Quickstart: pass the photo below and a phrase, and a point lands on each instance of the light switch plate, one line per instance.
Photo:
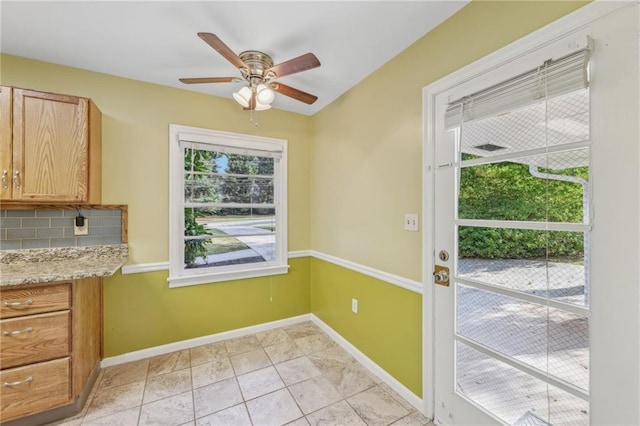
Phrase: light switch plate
(410, 222)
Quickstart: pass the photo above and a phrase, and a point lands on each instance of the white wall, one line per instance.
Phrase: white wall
(615, 355)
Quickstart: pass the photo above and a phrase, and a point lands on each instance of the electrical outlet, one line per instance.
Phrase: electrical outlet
(410, 222)
(354, 306)
(81, 230)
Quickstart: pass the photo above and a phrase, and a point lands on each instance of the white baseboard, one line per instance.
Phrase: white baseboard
(198, 341)
(439, 422)
(367, 362)
(387, 378)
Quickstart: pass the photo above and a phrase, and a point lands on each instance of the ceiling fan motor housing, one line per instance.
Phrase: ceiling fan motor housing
(258, 63)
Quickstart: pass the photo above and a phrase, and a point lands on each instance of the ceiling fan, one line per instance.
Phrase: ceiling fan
(258, 70)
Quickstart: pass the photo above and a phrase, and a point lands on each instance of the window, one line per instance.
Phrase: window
(227, 206)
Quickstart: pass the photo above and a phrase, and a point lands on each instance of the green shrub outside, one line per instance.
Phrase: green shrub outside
(507, 191)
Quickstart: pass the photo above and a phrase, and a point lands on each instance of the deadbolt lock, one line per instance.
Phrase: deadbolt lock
(443, 255)
(441, 275)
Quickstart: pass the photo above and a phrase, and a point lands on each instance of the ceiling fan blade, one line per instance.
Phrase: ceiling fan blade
(210, 80)
(294, 93)
(213, 41)
(301, 63)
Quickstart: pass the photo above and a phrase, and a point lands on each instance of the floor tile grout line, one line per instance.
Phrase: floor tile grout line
(193, 399)
(146, 382)
(354, 409)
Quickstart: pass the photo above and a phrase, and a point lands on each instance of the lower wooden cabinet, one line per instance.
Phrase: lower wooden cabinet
(50, 345)
(19, 301)
(34, 338)
(35, 388)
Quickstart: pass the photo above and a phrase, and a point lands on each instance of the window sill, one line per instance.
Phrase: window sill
(209, 278)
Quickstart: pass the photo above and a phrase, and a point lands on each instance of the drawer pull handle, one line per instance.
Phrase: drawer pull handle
(13, 333)
(28, 302)
(4, 179)
(11, 384)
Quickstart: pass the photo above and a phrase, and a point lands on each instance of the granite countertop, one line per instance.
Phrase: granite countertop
(57, 264)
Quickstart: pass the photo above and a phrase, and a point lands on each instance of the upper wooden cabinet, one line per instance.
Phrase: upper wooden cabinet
(6, 159)
(50, 146)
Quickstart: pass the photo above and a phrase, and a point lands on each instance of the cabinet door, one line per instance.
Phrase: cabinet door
(34, 388)
(34, 338)
(5, 143)
(50, 147)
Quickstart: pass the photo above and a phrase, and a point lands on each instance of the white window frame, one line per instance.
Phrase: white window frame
(178, 275)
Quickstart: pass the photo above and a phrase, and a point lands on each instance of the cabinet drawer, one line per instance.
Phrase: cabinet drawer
(34, 338)
(17, 302)
(33, 388)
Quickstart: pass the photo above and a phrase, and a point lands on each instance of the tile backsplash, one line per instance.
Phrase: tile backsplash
(27, 229)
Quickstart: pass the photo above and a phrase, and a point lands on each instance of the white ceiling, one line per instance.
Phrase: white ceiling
(156, 41)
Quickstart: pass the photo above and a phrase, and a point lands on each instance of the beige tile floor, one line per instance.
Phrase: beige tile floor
(295, 375)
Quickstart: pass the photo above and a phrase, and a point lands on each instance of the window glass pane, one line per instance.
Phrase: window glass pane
(200, 188)
(513, 395)
(229, 236)
(544, 338)
(550, 187)
(215, 177)
(517, 259)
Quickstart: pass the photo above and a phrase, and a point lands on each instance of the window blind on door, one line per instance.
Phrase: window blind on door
(552, 78)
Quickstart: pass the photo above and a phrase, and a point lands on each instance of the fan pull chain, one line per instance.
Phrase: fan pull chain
(255, 122)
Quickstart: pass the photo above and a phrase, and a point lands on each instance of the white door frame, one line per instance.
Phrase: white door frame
(549, 34)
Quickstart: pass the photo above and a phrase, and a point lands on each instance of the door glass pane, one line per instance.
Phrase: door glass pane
(550, 188)
(548, 264)
(526, 356)
(557, 121)
(545, 338)
(513, 395)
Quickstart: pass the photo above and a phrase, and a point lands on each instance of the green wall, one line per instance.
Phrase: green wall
(141, 311)
(387, 327)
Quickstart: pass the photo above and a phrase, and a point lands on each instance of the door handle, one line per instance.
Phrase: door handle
(441, 275)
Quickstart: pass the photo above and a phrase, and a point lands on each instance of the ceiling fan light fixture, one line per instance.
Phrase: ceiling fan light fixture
(264, 94)
(243, 96)
(260, 106)
(257, 69)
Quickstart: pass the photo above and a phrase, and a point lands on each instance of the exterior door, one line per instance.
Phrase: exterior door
(539, 221)
(512, 231)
